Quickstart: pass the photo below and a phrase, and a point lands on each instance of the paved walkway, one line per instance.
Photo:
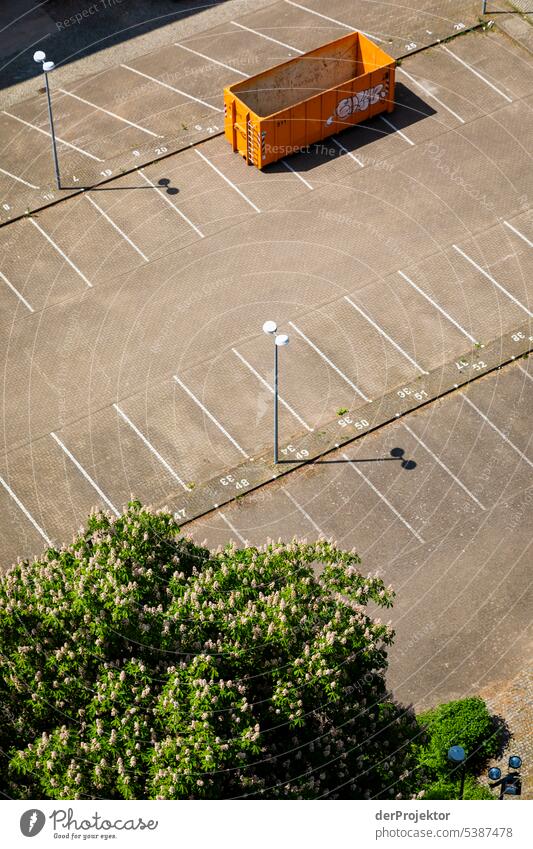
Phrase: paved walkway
(513, 701)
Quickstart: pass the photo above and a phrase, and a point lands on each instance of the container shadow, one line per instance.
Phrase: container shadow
(409, 110)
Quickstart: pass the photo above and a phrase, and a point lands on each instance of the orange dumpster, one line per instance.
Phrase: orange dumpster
(307, 99)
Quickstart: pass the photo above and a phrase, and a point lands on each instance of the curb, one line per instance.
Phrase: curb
(367, 418)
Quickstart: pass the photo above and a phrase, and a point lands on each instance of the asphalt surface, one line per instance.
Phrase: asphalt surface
(132, 314)
(115, 118)
(400, 251)
(440, 505)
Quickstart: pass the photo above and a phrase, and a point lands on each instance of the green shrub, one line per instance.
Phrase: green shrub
(450, 790)
(466, 723)
(135, 664)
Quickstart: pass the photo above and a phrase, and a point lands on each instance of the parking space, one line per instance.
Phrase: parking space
(419, 500)
(49, 491)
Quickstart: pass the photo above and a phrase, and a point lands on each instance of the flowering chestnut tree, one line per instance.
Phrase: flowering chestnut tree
(135, 664)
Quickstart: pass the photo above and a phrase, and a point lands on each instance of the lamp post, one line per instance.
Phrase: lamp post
(484, 9)
(40, 58)
(510, 784)
(280, 340)
(457, 756)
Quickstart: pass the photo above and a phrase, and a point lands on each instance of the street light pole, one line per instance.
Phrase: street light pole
(276, 405)
(40, 57)
(484, 9)
(457, 756)
(270, 328)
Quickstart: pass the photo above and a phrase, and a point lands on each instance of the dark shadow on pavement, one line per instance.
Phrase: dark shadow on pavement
(163, 185)
(70, 29)
(396, 454)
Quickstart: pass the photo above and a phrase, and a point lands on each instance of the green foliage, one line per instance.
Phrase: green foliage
(135, 664)
(450, 790)
(465, 723)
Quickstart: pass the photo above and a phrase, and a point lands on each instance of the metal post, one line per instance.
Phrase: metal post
(52, 132)
(462, 787)
(484, 9)
(275, 404)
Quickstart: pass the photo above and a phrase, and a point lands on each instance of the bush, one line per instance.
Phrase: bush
(450, 790)
(137, 665)
(466, 723)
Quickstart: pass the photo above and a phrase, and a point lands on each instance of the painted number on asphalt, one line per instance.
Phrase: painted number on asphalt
(180, 514)
(229, 480)
(476, 366)
(299, 453)
(360, 424)
(418, 394)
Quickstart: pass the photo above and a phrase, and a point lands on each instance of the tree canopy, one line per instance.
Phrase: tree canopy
(136, 664)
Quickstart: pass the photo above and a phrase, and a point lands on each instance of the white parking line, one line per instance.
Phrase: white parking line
(518, 233)
(396, 130)
(498, 431)
(117, 228)
(220, 174)
(112, 114)
(493, 281)
(268, 37)
(473, 70)
(386, 335)
(443, 466)
(17, 293)
(60, 252)
(171, 87)
(384, 499)
(150, 447)
(333, 20)
(271, 389)
(18, 179)
(348, 152)
(303, 512)
(434, 96)
(296, 174)
(232, 528)
(46, 133)
(210, 59)
(211, 416)
(438, 307)
(527, 374)
(85, 474)
(26, 512)
(328, 361)
(167, 199)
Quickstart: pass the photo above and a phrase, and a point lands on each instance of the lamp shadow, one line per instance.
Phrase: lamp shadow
(163, 185)
(396, 454)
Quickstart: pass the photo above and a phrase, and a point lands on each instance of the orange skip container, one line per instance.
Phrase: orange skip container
(307, 99)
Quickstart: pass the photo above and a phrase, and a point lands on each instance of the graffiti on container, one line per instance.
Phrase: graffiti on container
(358, 103)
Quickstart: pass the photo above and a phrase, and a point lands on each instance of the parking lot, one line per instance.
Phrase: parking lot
(121, 117)
(439, 503)
(134, 362)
